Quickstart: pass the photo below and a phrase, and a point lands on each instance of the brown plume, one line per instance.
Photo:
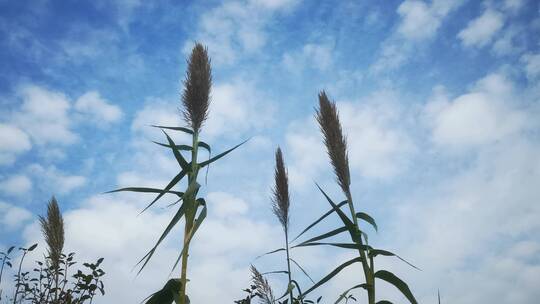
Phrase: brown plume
(52, 228)
(263, 287)
(280, 199)
(335, 142)
(198, 83)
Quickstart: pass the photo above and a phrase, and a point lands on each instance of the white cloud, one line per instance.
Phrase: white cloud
(97, 109)
(532, 65)
(54, 180)
(508, 42)
(13, 141)
(482, 116)
(480, 31)
(237, 28)
(16, 185)
(419, 22)
(44, 116)
(318, 56)
(237, 107)
(12, 217)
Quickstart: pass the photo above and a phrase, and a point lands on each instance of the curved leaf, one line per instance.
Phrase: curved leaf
(397, 282)
(275, 272)
(185, 130)
(169, 186)
(384, 302)
(348, 223)
(179, 147)
(341, 245)
(145, 190)
(319, 220)
(270, 252)
(344, 294)
(179, 158)
(332, 274)
(326, 235)
(169, 227)
(213, 159)
(302, 269)
(366, 217)
(196, 225)
(375, 252)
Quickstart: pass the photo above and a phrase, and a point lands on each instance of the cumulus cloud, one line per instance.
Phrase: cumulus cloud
(44, 116)
(55, 180)
(318, 56)
(13, 217)
(484, 115)
(16, 185)
(13, 141)
(236, 28)
(419, 22)
(532, 65)
(480, 31)
(97, 109)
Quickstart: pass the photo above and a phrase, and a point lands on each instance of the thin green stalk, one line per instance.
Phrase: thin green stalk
(19, 278)
(190, 217)
(368, 271)
(288, 266)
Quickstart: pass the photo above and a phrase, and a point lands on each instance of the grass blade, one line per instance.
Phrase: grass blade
(179, 147)
(375, 252)
(319, 220)
(145, 190)
(366, 217)
(344, 294)
(270, 252)
(185, 130)
(169, 227)
(181, 160)
(198, 221)
(340, 245)
(397, 282)
(302, 269)
(213, 159)
(332, 274)
(169, 186)
(326, 235)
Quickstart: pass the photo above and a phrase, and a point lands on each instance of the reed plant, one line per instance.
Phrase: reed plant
(336, 148)
(196, 101)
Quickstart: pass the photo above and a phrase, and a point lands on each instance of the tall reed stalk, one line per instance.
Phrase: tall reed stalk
(52, 227)
(196, 102)
(280, 207)
(336, 148)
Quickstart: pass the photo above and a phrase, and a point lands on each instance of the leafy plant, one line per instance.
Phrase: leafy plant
(49, 282)
(196, 100)
(336, 146)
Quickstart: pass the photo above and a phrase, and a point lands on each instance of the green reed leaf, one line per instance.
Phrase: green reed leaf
(213, 159)
(366, 217)
(384, 302)
(145, 190)
(168, 229)
(166, 294)
(319, 220)
(179, 158)
(270, 252)
(169, 186)
(397, 282)
(274, 272)
(182, 129)
(340, 245)
(344, 294)
(196, 225)
(326, 235)
(375, 252)
(179, 147)
(302, 269)
(332, 274)
(348, 223)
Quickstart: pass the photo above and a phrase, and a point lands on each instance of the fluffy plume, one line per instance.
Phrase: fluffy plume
(198, 83)
(280, 199)
(52, 227)
(263, 287)
(335, 142)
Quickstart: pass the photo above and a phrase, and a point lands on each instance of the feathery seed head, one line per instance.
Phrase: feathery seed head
(198, 84)
(280, 199)
(262, 286)
(335, 142)
(52, 228)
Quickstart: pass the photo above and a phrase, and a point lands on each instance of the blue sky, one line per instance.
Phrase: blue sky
(439, 100)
